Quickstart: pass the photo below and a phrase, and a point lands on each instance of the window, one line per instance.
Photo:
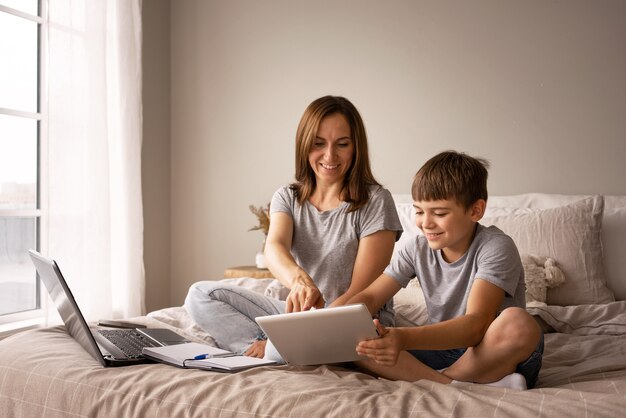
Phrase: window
(21, 120)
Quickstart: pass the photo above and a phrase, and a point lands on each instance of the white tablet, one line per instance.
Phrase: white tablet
(319, 336)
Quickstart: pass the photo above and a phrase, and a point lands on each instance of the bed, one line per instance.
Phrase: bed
(45, 373)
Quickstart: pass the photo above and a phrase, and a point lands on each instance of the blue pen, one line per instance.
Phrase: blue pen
(206, 356)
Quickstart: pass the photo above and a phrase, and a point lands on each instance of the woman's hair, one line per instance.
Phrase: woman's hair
(451, 175)
(359, 176)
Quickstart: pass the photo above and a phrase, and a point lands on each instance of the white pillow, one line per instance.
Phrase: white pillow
(534, 200)
(409, 306)
(614, 202)
(406, 213)
(569, 234)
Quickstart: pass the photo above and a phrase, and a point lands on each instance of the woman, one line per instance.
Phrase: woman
(331, 232)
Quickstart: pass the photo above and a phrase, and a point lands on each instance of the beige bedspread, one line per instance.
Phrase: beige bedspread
(46, 373)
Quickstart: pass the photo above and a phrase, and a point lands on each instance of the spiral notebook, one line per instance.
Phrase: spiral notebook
(202, 356)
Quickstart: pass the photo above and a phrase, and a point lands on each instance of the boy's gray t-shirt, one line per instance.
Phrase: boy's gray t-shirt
(325, 243)
(492, 256)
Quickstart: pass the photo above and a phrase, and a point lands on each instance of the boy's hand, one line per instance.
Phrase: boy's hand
(384, 349)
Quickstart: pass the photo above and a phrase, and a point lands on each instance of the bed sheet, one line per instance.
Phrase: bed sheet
(46, 373)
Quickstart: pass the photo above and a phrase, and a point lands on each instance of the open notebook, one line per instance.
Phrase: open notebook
(202, 356)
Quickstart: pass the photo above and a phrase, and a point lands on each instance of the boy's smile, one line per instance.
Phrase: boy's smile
(448, 226)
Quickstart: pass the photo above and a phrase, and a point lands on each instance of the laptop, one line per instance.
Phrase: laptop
(110, 347)
(319, 336)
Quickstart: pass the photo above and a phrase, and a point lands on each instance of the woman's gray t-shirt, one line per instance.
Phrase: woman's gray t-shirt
(492, 256)
(325, 244)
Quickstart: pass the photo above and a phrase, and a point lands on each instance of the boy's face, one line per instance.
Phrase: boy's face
(448, 226)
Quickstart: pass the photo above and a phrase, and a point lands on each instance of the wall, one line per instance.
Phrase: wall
(536, 87)
(155, 155)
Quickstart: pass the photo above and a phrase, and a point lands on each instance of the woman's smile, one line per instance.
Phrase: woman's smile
(332, 151)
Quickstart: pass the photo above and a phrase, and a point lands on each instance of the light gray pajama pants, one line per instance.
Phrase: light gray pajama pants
(227, 313)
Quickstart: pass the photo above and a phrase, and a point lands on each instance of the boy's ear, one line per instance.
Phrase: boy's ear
(478, 209)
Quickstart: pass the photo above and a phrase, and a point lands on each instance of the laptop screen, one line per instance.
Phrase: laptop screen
(75, 323)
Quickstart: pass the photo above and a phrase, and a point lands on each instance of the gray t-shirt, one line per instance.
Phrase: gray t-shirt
(492, 256)
(325, 244)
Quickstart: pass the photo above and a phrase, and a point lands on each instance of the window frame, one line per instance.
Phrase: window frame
(14, 322)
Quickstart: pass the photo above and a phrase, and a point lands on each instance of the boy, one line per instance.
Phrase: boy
(473, 284)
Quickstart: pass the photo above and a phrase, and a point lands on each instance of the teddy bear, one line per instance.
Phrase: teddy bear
(541, 274)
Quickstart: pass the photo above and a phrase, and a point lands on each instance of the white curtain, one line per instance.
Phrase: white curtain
(93, 202)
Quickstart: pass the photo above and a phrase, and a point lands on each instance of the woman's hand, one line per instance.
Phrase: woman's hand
(257, 349)
(303, 296)
(385, 349)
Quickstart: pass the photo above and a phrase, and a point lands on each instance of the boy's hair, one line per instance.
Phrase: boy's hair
(451, 175)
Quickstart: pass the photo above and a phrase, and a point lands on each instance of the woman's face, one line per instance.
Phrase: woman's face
(332, 151)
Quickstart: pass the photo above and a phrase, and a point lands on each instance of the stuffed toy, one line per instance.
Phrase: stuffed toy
(542, 273)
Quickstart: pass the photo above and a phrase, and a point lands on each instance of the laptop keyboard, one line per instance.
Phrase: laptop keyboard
(129, 341)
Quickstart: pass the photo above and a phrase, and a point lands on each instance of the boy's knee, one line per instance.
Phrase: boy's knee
(518, 329)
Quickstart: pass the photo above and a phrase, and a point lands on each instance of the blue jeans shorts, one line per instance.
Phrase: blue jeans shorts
(440, 359)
